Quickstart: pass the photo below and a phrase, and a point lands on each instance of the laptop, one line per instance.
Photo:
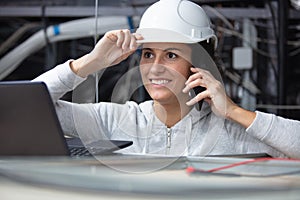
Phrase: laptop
(29, 125)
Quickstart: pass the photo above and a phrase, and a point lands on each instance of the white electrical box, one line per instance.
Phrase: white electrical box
(242, 58)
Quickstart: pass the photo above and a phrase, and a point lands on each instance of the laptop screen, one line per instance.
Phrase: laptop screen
(28, 121)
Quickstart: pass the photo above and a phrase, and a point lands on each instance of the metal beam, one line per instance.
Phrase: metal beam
(67, 11)
(283, 10)
(88, 11)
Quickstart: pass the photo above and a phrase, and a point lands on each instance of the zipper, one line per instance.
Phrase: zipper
(169, 131)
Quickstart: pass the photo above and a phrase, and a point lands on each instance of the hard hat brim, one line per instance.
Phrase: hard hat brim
(152, 35)
(162, 35)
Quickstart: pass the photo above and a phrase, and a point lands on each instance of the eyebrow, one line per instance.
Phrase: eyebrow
(167, 49)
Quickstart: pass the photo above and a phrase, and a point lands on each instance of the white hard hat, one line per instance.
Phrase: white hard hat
(178, 21)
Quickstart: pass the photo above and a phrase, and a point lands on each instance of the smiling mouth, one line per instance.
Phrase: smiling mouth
(159, 81)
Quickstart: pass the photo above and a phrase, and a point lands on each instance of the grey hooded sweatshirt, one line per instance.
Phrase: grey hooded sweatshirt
(197, 134)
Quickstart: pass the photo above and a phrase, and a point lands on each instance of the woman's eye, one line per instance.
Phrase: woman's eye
(148, 55)
(172, 55)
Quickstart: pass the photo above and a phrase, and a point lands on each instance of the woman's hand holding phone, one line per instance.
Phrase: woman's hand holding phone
(213, 93)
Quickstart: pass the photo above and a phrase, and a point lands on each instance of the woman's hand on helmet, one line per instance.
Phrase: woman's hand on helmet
(114, 47)
(214, 94)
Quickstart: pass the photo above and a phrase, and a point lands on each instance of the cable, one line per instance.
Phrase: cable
(239, 35)
(192, 170)
(294, 52)
(11, 40)
(80, 28)
(218, 14)
(232, 31)
(95, 42)
(275, 28)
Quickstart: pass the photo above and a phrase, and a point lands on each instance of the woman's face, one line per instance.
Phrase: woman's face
(164, 68)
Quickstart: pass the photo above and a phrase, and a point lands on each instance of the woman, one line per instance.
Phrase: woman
(170, 123)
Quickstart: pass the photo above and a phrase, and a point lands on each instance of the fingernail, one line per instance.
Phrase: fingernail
(189, 103)
(186, 89)
(132, 47)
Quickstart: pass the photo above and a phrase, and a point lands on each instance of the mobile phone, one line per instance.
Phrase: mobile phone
(194, 92)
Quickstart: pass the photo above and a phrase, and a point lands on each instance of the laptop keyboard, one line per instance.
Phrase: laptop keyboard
(99, 147)
(79, 151)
